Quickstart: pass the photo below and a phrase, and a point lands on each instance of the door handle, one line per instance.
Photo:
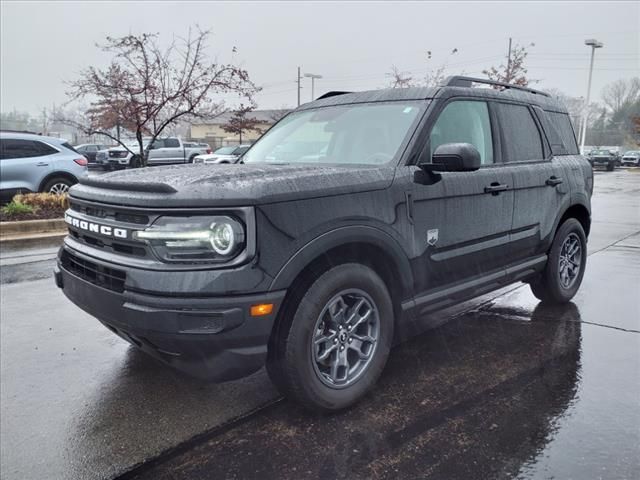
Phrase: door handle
(495, 188)
(553, 181)
(42, 164)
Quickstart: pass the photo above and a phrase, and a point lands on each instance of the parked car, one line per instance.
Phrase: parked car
(90, 152)
(170, 150)
(119, 157)
(631, 158)
(603, 158)
(34, 163)
(228, 154)
(422, 198)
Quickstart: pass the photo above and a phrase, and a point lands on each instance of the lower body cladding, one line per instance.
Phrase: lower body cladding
(212, 338)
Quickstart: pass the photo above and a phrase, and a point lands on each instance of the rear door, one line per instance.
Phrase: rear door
(24, 164)
(539, 182)
(462, 220)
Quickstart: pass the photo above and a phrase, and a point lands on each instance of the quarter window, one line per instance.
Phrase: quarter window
(562, 124)
(464, 122)
(520, 135)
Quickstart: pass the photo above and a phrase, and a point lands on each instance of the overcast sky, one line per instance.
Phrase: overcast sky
(353, 45)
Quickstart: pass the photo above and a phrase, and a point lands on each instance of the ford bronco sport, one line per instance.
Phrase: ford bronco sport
(406, 201)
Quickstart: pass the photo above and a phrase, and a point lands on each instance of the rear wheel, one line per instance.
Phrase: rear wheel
(610, 167)
(333, 349)
(57, 185)
(567, 259)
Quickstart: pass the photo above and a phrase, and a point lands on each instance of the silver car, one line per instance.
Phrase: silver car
(223, 155)
(33, 163)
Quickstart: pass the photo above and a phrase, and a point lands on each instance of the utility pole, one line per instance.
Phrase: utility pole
(313, 77)
(593, 43)
(298, 86)
(509, 63)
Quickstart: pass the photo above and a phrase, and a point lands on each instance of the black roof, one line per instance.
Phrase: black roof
(450, 88)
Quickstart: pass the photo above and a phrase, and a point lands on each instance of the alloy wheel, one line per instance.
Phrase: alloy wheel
(345, 338)
(570, 260)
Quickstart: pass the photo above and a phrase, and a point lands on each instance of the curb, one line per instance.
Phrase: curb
(30, 233)
(32, 226)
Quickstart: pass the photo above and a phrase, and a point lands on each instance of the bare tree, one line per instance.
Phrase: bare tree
(147, 87)
(621, 93)
(241, 122)
(515, 71)
(400, 79)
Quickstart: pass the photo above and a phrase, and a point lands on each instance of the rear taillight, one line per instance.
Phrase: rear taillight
(81, 161)
(208, 150)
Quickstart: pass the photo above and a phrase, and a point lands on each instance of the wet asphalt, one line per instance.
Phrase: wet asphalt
(506, 388)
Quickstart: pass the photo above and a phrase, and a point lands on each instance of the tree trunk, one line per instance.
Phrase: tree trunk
(143, 159)
(240, 133)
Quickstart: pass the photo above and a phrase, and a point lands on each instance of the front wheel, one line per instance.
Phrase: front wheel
(333, 349)
(566, 262)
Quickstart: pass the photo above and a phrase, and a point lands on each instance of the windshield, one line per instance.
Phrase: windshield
(226, 150)
(600, 152)
(345, 134)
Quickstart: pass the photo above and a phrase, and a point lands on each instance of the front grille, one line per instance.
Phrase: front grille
(101, 276)
(109, 213)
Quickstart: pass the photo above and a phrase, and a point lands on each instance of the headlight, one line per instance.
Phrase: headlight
(194, 239)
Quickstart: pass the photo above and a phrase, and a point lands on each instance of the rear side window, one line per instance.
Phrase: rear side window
(16, 148)
(521, 140)
(562, 124)
(464, 122)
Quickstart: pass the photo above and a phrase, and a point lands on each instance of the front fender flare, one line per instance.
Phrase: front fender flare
(343, 236)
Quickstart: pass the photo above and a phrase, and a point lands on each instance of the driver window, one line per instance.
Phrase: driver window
(464, 122)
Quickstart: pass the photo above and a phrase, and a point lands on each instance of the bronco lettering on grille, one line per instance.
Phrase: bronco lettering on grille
(105, 230)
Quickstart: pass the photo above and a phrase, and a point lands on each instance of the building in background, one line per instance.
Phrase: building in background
(213, 133)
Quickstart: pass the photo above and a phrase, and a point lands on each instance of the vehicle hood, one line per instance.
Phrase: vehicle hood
(207, 185)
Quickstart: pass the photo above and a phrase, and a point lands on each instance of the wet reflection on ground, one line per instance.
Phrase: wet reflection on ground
(477, 398)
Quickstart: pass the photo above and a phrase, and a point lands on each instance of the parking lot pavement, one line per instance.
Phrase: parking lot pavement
(507, 388)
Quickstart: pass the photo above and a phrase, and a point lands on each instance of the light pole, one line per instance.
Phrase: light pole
(593, 43)
(313, 77)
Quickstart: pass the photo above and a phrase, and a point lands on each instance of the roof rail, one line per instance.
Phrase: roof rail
(462, 81)
(331, 94)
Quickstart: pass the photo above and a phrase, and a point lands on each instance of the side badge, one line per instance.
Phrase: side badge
(432, 237)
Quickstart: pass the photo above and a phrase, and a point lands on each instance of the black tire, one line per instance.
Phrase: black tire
(135, 162)
(611, 167)
(57, 185)
(192, 157)
(549, 287)
(292, 364)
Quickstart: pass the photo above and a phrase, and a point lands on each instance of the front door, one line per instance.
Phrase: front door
(462, 220)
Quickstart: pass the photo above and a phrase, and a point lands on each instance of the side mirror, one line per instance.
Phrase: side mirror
(452, 157)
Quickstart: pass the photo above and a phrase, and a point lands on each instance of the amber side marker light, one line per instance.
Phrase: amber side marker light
(261, 310)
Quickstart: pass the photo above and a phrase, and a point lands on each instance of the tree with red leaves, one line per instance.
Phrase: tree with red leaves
(148, 87)
(514, 72)
(240, 122)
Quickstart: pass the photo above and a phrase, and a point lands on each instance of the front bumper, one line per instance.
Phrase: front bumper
(213, 338)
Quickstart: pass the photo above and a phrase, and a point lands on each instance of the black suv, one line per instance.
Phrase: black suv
(419, 199)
